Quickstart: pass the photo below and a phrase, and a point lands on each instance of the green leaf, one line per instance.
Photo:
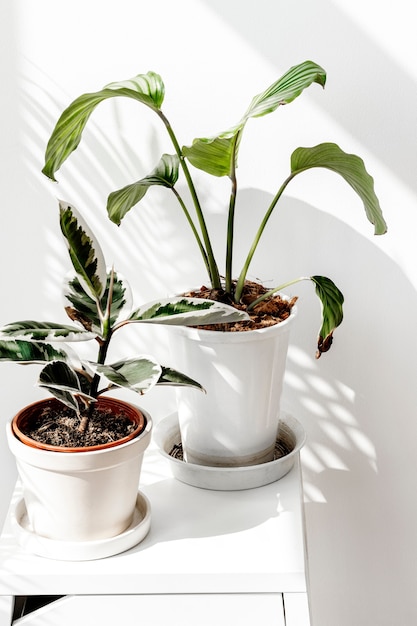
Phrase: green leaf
(138, 374)
(332, 311)
(66, 136)
(286, 89)
(174, 378)
(30, 352)
(83, 308)
(63, 383)
(84, 250)
(187, 312)
(121, 201)
(44, 331)
(351, 168)
(218, 155)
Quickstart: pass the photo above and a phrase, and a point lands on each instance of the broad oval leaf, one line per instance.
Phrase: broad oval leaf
(215, 155)
(30, 330)
(351, 168)
(85, 252)
(138, 374)
(31, 352)
(121, 201)
(66, 136)
(187, 312)
(332, 311)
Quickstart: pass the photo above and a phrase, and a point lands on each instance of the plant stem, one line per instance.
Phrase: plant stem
(209, 255)
(243, 273)
(231, 224)
(275, 289)
(193, 228)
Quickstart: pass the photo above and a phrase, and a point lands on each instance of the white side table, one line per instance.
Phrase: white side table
(211, 558)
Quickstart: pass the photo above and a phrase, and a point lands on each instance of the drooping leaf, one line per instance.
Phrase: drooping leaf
(30, 330)
(174, 378)
(121, 201)
(187, 312)
(218, 155)
(138, 374)
(332, 311)
(63, 383)
(83, 308)
(351, 168)
(30, 352)
(66, 136)
(84, 250)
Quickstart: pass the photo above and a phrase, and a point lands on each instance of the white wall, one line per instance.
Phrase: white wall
(358, 402)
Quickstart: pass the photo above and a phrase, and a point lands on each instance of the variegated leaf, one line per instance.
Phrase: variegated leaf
(187, 312)
(30, 352)
(174, 378)
(63, 383)
(30, 330)
(332, 311)
(84, 250)
(138, 374)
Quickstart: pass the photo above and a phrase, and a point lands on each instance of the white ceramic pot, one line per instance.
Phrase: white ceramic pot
(81, 496)
(235, 423)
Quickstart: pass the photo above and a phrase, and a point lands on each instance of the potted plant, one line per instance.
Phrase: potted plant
(217, 156)
(79, 452)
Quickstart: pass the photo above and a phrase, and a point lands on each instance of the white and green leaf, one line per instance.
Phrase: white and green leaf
(350, 167)
(174, 378)
(85, 252)
(63, 383)
(21, 351)
(187, 312)
(30, 330)
(66, 136)
(138, 374)
(165, 174)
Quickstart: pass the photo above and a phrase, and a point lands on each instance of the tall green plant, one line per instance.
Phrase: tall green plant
(98, 303)
(218, 156)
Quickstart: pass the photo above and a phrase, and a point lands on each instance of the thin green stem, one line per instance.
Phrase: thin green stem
(243, 273)
(275, 289)
(231, 223)
(211, 261)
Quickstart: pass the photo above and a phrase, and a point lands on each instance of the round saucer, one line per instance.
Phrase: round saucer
(81, 550)
(167, 437)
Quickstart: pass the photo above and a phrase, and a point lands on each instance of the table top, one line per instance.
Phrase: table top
(200, 541)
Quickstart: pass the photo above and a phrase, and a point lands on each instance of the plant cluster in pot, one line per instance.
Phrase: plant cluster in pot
(241, 366)
(79, 453)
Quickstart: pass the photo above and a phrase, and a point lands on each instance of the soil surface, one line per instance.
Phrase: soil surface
(269, 312)
(60, 428)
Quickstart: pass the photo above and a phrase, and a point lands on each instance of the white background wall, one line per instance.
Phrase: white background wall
(358, 403)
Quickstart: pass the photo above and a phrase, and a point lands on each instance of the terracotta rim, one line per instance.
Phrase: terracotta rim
(24, 415)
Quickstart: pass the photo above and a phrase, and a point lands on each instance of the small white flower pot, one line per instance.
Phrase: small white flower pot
(81, 495)
(235, 422)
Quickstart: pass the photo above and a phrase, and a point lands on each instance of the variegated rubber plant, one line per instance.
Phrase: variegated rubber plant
(99, 305)
(218, 156)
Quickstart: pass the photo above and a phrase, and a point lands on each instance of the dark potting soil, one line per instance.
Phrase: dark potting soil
(59, 427)
(269, 312)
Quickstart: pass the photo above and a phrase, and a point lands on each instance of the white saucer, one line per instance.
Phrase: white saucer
(167, 435)
(81, 550)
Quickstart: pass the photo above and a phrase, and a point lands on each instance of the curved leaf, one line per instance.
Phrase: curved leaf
(174, 378)
(44, 331)
(138, 374)
(187, 312)
(286, 89)
(351, 168)
(332, 311)
(63, 383)
(30, 352)
(218, 155)
(66, 136)
(120, 202)
(84, 250)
